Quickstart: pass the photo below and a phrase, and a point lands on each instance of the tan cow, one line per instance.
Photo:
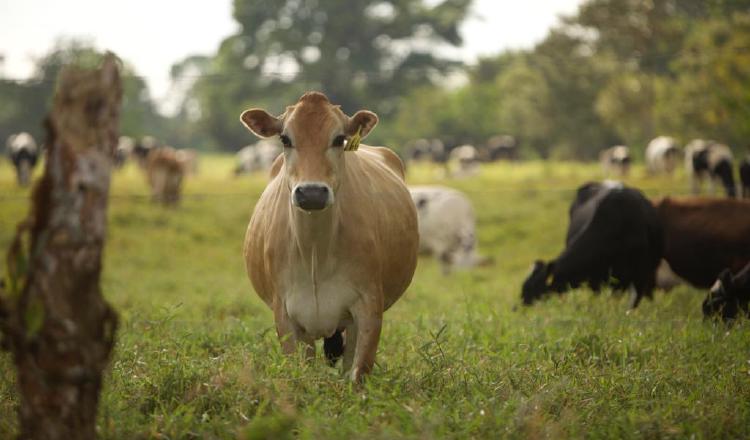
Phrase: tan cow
(333, 240)
(165, 172)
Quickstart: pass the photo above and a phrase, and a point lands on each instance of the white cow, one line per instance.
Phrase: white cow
(257, 157)
(662, 155)
(446, 226)
(464, 161)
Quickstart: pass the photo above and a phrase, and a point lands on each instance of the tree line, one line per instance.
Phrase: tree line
(615, 72)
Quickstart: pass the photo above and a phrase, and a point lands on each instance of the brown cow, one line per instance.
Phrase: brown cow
(165, 171)
(705, 236)
(332, 242)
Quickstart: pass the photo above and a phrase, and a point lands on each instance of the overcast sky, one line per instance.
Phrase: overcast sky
(153, 34)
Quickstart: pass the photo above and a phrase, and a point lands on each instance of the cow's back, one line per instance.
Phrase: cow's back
(704, 236)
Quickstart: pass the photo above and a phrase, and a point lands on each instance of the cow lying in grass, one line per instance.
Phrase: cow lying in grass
(332, 242)
(614, 238)
(447, 227)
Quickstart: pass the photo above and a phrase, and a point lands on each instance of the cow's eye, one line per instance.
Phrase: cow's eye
(285, 141)
(338, 141)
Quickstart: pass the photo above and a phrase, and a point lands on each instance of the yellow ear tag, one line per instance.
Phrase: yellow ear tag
(353, 143)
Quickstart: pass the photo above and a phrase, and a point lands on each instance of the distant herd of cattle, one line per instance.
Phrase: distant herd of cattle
(164, 166)
(706, 162)
(333, 240)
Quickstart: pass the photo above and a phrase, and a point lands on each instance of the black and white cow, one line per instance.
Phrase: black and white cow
(425, 150)
(712, 161)
(729, 296)
(125, 148)
(615, 161)
(143, 148)
(745, 177)
(501, 147)
(662, 155)
(257, 157)
(614, 238)
(24, 153)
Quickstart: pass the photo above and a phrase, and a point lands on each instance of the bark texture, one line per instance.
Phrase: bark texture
(54, 320)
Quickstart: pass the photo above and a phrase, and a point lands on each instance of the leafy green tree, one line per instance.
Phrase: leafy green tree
(362, 53)
(711, 95)
(23, 104)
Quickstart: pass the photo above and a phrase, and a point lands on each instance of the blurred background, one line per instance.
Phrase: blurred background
(566, 78)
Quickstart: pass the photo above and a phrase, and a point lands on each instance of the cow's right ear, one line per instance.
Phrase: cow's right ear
(261, 123)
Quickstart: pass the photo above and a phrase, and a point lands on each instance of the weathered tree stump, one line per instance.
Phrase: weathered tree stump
(54, 320)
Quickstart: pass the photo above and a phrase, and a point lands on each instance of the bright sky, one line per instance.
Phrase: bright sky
(174, 29)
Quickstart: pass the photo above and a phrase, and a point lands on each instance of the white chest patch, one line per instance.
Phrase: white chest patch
(317, 311)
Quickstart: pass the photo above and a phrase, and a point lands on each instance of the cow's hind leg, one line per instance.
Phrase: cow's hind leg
(333, 347)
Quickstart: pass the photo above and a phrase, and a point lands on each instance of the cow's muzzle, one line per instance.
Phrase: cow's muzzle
(312, 196)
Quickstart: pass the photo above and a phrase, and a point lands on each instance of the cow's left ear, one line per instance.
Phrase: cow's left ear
(364, 121)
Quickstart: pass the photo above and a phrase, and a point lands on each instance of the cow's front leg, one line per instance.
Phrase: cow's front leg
(350, 344)
(284, 328)
(368, 318)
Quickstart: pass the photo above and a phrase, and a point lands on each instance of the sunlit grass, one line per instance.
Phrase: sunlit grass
(197, 356)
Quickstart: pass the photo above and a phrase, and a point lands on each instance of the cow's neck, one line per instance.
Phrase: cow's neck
(313, 235)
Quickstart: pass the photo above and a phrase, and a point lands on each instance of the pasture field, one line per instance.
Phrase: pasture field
(197, 354)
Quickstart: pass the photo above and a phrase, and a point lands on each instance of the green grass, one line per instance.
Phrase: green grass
(197, 355)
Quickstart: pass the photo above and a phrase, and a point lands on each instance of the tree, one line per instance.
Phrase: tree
(22, 102)
(711, 95)
(361, 53)
(53, 318)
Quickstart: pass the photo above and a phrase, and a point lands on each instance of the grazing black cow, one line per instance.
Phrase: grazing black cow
(23, 152)
(614, 238)
(711, 161)
(745, 177)
(729, 296)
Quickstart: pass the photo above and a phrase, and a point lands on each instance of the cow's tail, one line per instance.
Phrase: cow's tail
(333, 346)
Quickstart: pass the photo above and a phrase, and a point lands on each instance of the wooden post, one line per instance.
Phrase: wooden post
(54, 320)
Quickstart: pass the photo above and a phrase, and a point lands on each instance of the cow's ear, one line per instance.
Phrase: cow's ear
(364, 121)
(261, 122)
(725, 277)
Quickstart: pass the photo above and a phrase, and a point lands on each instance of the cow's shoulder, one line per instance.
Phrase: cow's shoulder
(389, 158)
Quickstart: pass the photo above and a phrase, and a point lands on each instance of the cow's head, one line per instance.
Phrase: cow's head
(728, 296)
(313, 132)
(537, 282)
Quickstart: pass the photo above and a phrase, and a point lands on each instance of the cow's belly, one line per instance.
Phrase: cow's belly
(320, 315)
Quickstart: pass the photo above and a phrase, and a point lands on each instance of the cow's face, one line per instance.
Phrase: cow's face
(728, 296)
(536, 282)
(313, 133)
(24, 161)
